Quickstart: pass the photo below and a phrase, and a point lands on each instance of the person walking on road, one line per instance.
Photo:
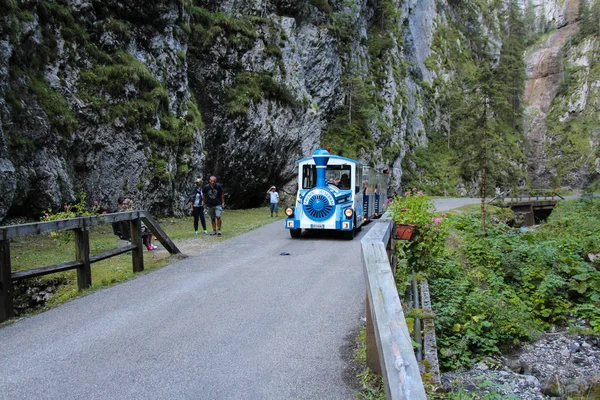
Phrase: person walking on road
(274, 200)
(197, 207)
(214, 201)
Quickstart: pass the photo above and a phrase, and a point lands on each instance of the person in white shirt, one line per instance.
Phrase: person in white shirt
(274, 200)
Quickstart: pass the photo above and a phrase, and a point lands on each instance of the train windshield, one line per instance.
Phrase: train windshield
(338, 175)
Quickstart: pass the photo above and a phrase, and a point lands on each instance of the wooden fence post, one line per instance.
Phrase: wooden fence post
(137, 254)
(6, 287)
(82, 254)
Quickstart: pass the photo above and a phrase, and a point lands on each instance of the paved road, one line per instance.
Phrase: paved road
(450, 203)
(240, 321)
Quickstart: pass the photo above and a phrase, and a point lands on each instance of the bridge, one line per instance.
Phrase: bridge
(530, 205)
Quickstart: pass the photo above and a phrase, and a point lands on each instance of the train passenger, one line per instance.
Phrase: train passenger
(214, 201)
(344, 182)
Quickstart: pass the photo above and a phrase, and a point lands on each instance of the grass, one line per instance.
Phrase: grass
(372, 387)
(43, 250)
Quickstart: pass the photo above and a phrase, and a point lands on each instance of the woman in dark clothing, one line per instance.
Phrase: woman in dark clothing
(197, 208)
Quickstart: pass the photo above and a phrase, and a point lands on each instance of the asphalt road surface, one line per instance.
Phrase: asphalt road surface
(240, 321)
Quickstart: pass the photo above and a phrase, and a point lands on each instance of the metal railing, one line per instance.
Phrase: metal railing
(83, 260)
(524, 194)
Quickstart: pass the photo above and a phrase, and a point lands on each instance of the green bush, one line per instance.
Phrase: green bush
(430, 228)
(495, 290)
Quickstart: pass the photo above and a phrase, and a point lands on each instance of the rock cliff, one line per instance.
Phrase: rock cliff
(136, 98)
(562, 95)
(109, 98)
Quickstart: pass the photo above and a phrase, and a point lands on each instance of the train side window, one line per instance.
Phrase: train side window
(358, 179)
(309, 176)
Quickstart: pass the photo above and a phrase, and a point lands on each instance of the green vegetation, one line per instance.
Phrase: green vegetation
(349, 133)
(572, 145)
(482, 135)
(62, 119)
(490, 292)
(120, 89)
(372, 387)
(41, 250)
(322, 5)
(207, 27)
(430, 228)
(115, 87)
(589, 20)
(360, 124)
(250, 88)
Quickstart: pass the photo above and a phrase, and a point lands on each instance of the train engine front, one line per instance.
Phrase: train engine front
(326, 196)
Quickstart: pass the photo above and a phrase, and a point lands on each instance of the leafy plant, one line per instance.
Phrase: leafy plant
(79, 209)
(429, 238)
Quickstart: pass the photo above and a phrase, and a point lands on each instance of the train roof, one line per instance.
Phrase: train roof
(331, 157)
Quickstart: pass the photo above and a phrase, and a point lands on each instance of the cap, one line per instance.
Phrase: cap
(273, 187)
(198, 180)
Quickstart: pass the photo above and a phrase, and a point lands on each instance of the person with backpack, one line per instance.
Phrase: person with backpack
(122, 229)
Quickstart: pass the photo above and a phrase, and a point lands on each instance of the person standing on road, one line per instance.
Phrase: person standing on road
(214, 201)
(274, 200)
(197, 207)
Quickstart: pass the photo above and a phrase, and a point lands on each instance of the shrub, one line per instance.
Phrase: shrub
(429, 238)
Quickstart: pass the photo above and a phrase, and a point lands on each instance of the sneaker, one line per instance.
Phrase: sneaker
(154, 247)
(196, 233)
(213, 233)
(206, 233)
(150, 248)
(218, 233)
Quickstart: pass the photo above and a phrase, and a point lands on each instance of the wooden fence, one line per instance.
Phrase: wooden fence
(83, 259)
(389, 345)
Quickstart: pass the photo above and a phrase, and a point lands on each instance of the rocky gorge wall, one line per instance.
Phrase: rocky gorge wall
(109, 98)
(562, 94)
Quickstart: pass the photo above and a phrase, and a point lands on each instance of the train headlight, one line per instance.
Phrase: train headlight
(348, 212)
(289, 212)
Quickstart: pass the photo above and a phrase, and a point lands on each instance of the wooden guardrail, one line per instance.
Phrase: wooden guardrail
(389, 345)
(83, 260)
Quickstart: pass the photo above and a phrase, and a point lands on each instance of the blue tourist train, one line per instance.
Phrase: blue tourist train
(335, 193)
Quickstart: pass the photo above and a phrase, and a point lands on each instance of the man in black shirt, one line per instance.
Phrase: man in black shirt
(214, 201)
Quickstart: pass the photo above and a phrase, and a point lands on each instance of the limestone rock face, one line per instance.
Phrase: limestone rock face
(561, 125)
(135, 98)
(7, 184)
(91, 95)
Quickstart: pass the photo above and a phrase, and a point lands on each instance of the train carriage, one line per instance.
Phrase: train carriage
(333, 194)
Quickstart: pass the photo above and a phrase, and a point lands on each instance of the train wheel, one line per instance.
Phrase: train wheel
(356, 229)
(349, 235)
(295, 233)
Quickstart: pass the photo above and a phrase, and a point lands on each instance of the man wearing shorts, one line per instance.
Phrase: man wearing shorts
(214, 201)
